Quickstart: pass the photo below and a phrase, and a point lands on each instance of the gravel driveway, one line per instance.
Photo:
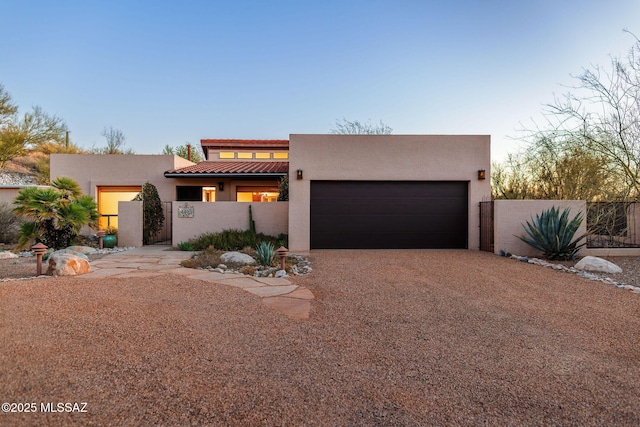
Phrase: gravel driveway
(394, 338)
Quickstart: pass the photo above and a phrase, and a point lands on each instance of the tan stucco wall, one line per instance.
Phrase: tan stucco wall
(270, 218)
(385, 157)
(130, 221)
(94, 170)
(510, 215)
(9, 192)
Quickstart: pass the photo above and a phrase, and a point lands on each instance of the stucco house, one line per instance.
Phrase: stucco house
(345, 191)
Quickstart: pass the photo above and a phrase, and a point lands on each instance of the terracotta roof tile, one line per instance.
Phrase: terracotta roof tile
(230, 168)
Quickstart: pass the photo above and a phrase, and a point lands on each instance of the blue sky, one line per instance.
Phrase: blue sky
(176, 72)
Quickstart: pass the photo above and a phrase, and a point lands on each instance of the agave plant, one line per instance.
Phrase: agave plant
(265, 253)
(552, 233)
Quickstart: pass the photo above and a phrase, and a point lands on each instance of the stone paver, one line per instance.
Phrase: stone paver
(151, 261)
(272, 291)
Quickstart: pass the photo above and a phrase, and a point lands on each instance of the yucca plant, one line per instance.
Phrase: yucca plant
(265, 253)
(552, 233)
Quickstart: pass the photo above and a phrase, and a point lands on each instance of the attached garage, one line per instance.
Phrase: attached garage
(389, 214)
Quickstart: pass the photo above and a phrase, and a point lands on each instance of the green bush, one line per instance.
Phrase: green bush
(9, 224)
(265, 253)
(552, 233)
(231, 240)
(186, 246)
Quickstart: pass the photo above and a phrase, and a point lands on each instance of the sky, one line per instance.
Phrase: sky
(170, 73)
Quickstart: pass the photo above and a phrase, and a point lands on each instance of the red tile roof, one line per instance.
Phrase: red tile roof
(282, 144)
(230, 169)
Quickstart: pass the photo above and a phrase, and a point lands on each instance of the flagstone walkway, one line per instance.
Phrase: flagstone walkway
(151, 261)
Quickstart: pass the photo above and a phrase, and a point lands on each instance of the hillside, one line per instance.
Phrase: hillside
(24, 170)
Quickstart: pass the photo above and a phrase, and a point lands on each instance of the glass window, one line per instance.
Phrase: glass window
(257, 194)
(227, 155)
(245, 155)
(280, 155)
(263, 155)
(108, 198)
(188, 193)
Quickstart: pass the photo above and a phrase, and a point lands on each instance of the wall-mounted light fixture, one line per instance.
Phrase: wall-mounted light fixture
(299, 174)
(481, 174)
(220, 186)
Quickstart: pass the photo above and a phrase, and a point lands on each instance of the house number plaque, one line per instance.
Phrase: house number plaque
(185, 211)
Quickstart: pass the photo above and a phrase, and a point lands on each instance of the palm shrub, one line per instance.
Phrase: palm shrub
(552, 233)
(54, 216)
(265, 253)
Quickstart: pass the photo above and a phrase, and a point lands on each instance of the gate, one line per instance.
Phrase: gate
(163, 237)
(486, 226)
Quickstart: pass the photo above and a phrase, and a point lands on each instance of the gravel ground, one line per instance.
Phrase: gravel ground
(395, 338)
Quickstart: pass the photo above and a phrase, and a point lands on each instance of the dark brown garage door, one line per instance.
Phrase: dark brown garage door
(389, 215)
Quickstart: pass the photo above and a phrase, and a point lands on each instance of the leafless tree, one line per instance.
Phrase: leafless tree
(115, 142)
(601, 114)
(347, 127)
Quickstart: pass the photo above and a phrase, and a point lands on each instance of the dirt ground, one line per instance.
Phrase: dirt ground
(394, 338)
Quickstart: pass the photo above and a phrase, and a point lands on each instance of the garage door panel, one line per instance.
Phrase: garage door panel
(404, 214)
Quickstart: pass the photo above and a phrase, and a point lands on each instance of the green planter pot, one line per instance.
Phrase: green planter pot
(109, 241)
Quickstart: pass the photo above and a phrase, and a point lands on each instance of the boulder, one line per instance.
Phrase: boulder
(72, 252)
(237, 258)
(83, 249)
(7, 255)
(67, 264)
(592, 263)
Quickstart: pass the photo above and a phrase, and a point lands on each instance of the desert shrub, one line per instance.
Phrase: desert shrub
(9, 224)
(552, 233)
(186, 246)
(231, 240)
(265, 253)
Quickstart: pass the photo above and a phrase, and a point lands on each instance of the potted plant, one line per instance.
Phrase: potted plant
(111, 237)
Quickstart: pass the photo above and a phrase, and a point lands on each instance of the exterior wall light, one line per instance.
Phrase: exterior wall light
(299, 174)
(220, 186)
(481, 174)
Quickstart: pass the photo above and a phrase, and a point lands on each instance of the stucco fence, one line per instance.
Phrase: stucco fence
(510, 215)
(191, 219)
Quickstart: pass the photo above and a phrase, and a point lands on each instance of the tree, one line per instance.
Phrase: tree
(54, 215)
(33, 130)
(115, 142)
(548, 170)
(183, 151)
(601, 114)
(347, 127)
(153, 214)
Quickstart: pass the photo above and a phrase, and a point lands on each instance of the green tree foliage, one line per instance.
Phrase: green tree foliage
(552, 233)
(355, 127)
(183, 151)
(598, 120)
(283, 189)
(33, 130)
(54, 216)
(549, 170)
(152, 212)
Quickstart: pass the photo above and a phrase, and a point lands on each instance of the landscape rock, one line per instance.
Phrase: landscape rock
(72, 252)
(591, 263)
(67, 264)
(7, 255)
(281, 273)
(238, 258)
(83, 249)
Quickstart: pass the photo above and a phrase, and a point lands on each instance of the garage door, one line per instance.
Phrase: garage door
(389, 215)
